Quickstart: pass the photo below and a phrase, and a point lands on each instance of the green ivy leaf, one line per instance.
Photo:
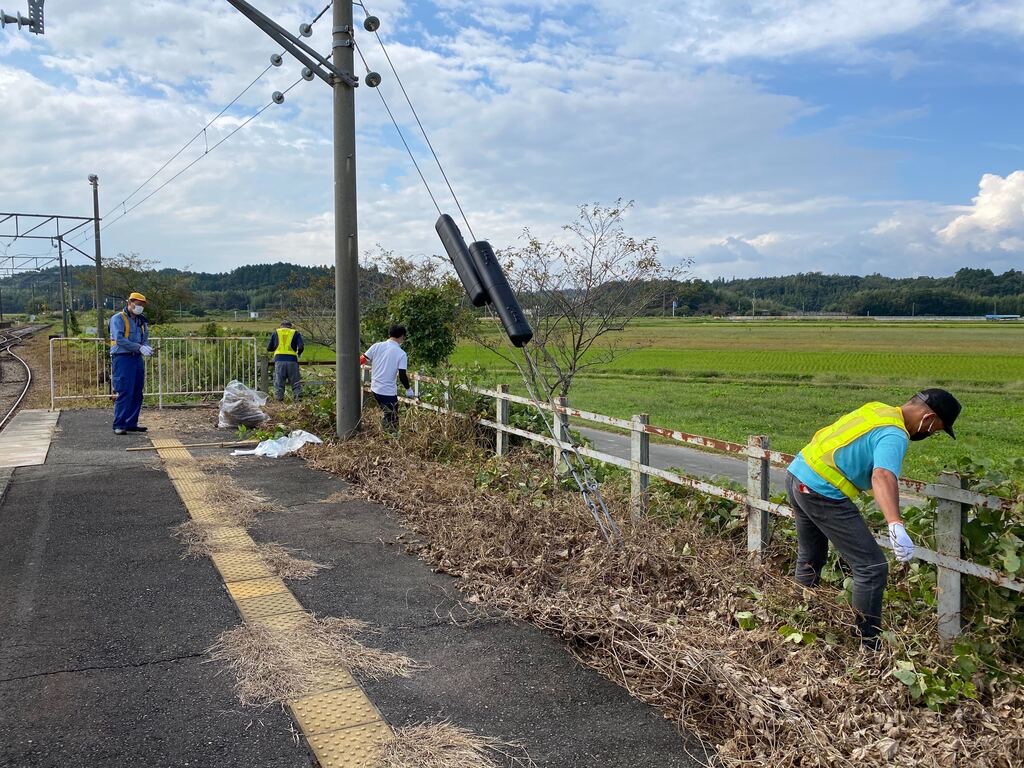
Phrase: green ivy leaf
(746, 620)
(905, 676)
(1011, 562)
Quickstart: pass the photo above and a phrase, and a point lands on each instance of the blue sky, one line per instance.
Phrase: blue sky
(755, 137)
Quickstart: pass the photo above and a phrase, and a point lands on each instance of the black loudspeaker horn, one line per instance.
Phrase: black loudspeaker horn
(500, 292)
(455, 245)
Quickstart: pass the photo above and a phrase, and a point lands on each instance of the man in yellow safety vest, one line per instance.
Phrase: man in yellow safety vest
(862, 450)
(285, 345)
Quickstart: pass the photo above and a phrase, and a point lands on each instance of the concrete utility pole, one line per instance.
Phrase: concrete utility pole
(346, 243)
(336, 72)
(101, 326)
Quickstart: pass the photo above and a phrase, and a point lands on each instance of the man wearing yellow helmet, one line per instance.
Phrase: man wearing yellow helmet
(129, 346)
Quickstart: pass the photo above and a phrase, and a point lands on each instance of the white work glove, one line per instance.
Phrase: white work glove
(146, 350)
(901, 542)
(410, 393)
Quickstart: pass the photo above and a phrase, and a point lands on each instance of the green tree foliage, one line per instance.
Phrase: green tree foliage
(421, 295)
(165, 290)
(432, 316)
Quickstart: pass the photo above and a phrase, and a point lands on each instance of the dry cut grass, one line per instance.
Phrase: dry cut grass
(443, 745)
(201, 540)
(276, 666)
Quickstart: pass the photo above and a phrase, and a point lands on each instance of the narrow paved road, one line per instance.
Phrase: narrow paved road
(694, 462)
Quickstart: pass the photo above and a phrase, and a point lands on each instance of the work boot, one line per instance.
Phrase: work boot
(138, 429)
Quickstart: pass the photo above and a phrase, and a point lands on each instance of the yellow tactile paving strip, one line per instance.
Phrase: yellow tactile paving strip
(343, 727)
(239, 566)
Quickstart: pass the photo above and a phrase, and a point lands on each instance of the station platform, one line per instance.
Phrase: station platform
(106, 628)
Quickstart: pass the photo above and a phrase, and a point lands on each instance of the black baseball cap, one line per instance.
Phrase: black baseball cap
(945, 406)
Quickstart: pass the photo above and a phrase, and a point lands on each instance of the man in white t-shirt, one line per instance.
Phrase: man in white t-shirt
(387, 361)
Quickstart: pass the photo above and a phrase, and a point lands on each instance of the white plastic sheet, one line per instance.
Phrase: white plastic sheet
(281, 446)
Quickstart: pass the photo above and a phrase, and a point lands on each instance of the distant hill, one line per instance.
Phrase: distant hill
(970, 292)
(257, 286)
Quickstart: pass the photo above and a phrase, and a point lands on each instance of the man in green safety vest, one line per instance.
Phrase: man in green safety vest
(862, 450)
(285, 346)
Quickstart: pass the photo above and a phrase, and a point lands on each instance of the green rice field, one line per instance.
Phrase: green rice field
(787, 379)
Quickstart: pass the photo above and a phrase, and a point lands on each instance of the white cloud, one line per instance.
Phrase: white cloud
(995, 220)
(533, 108)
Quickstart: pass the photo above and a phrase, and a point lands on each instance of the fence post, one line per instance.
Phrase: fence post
(950, 517)
(758, 477)
(52, 385)
(364, 380)
(416, 386)
(501, 416)
(561, 424)
(639, 454)
(159, 381)
(262, 376)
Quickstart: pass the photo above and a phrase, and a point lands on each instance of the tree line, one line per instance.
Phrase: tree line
(969, 292)
(264, 287)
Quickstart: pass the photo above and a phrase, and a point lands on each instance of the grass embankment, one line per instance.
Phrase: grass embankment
(786, 380)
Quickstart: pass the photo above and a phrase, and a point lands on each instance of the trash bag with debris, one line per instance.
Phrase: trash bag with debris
(240, 407)
(282, 445)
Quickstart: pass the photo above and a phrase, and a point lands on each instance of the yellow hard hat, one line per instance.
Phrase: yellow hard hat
(137, 297)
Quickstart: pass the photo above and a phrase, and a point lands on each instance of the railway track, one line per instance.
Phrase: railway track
(15, 373)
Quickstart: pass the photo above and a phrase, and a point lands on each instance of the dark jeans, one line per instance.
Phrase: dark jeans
(287, 372)
(128, 376)
(820, 520)
(388, 404)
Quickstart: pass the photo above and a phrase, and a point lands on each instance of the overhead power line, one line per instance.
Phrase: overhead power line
(239, 127)
(423, 130)
(190, 142)
(401, 135)
(201, 132)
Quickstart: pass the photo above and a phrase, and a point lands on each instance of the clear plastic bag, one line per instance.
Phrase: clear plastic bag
(240, 407)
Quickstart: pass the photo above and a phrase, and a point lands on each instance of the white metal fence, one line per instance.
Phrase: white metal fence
(181, 368)
(953, 502)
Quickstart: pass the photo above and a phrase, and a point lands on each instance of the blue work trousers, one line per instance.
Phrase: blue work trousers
(129, 376)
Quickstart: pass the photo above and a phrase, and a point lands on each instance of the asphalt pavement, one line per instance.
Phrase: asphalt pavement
(104, 628)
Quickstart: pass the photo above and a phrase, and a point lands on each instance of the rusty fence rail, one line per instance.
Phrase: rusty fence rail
(953, 501)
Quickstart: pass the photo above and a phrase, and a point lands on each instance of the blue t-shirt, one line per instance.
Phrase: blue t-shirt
(882, 448)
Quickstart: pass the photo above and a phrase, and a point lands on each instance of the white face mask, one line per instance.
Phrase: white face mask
(138, 309)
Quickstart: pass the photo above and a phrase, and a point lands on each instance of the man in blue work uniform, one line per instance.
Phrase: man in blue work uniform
(862, 450)
(286, 345)
(129, 344)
